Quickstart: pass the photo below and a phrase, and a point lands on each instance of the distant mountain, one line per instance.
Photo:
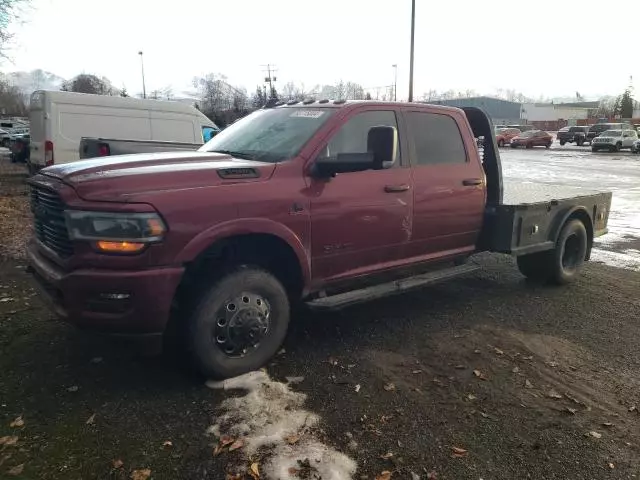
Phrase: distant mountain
(28, 82)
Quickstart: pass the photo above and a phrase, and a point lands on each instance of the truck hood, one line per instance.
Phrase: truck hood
(121, 177)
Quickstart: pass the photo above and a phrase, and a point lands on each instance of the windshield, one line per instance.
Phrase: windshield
(269, 135)
(530, 133)
(576, 129)
(612, 133)
(600, 127)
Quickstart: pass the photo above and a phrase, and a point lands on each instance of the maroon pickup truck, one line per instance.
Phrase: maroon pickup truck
(326, 203)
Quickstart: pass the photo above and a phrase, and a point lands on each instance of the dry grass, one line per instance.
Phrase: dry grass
(15, 216)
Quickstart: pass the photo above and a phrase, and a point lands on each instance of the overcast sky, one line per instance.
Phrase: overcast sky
(541, 47)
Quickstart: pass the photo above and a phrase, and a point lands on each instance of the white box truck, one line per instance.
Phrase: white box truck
(59, 120)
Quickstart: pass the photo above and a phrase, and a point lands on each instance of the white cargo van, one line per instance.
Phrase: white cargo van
(60, 119)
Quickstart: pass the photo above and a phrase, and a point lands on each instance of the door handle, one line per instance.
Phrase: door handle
(472, 182)
(396, 188)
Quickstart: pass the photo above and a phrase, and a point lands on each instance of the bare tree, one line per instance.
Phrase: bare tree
(10, 11)
(222, 102)
(340, 91)
(86, 83)
(12, 101)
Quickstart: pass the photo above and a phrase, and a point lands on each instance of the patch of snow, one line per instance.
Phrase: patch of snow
(265, 417)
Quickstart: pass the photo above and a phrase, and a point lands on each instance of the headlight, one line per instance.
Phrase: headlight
(115, 232)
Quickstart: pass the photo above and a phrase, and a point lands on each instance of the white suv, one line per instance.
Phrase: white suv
(614, 140)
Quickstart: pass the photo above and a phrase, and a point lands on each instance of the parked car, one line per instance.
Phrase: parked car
(5, 138)
(310, 202)
(597, 128)
(635, 148)
(60, 119)
(19, 148)
(532, 138)
(522, 128)
(614, 140)
(504, 135)
(576, 134)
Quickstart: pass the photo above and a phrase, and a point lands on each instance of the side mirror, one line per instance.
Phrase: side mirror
(382, 142)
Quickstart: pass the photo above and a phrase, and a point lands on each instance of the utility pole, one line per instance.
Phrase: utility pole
(269, 78)
(144, 88)
(413, 32)
(395, 82)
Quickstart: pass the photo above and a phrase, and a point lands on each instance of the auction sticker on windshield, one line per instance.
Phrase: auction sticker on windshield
(307, 113)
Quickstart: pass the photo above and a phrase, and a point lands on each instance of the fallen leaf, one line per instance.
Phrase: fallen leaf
(528, 384)
(432, 475)
(498, 351)
(471, 396)
(18, 422)
(477, 350)
(91, 420)
(4, 458)
(607, 424)
(294, 379)
(386, 456)
(415, 476)
(357, 389)
(515, 370)
(572, 411)
(217, 450)
(292, 439)
(386, 475)
(73, 388)
(142, 474)
(458, 452)
(282, 351)
(17, 470)
(294, 471)
(595, 434)
(333, 361)
(479, 374)
(553, 364)
(460, 367)
(416, 372)
(8, 441)
(226, 440)
(389, 387)
(530, 357)
(167, 444)
(254, 471)
(234, 476)
(484, 415)
(633, 408)
(611, 466)
(117, 463)
(553, 394)
(236, 445)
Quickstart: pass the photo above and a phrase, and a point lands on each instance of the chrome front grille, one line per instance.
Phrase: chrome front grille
(49, 222)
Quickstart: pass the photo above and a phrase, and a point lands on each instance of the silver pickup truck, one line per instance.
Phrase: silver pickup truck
(91, 147)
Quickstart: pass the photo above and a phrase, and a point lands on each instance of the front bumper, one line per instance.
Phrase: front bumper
(602, 145)
(111, 301)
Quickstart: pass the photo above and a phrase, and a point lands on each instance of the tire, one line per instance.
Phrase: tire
(547, 146)
(580, 142)
(561, 265)
(562, 142)
(529, 145)
(501, 143)
(594, 149)
(249, 291)
(514, 146)
(618, 147)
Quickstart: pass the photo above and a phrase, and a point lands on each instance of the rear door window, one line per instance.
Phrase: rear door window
(436, 139)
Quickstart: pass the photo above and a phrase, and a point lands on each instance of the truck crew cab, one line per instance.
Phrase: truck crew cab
(327, 203)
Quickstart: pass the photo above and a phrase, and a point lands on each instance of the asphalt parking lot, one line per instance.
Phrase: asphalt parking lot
(487, 376)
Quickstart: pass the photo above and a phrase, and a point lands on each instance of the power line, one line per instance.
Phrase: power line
(270, 78)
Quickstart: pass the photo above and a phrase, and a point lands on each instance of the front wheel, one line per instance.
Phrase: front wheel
(594, 149)
(562, 142)
(529, 145)
(239, 323)
(548, 145)
(580, 142)
(617, 147)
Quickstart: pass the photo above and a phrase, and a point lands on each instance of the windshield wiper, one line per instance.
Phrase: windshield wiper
(242, 155)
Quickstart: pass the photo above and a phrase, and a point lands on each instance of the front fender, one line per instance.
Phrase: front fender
(247, 226)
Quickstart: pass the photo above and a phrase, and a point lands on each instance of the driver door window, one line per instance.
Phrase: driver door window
(352, 136)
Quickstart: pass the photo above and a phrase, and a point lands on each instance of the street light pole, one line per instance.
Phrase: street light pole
(144, 88)
(413, 31)
(395, 82)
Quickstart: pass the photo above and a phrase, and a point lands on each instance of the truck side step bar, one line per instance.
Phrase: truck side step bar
(341, 300)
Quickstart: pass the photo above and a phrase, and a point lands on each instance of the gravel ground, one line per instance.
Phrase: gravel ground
(486, 377)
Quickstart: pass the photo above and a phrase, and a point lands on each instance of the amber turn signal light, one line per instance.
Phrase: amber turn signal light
(119, 247)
